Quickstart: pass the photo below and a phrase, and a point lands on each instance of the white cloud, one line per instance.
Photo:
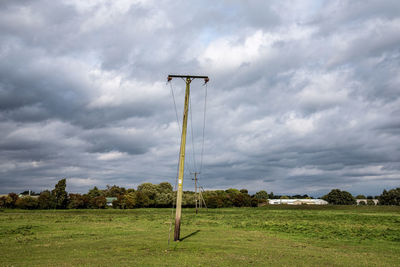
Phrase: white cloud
(111, 155)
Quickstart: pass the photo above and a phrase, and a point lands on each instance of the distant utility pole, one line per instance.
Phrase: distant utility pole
(196, 197)
(188, 80)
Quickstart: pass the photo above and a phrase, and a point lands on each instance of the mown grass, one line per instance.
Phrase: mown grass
(272, 235)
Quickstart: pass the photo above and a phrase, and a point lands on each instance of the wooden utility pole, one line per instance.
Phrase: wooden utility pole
(188, 80)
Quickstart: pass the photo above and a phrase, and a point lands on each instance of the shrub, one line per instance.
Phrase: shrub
(27, 202)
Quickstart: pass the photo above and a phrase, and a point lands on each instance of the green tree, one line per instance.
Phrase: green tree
(27, 202)
(60, 195)
(78, 201)
(95, 192)
(164, 200)
(242, 200)
(10, 200)
(151, 191)
(360, 197)
(338, 197)
(3, 202)
(142, 199)
(232, 191)
(244, 191)
(114, 191)
(188, 199)
(370, 202)
(391, 197)
(129, 200)
(120, 201)
(99, 202)
(261, 195)
(165, 188)
(47, 200)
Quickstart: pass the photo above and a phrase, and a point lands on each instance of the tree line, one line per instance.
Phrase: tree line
(148, 195)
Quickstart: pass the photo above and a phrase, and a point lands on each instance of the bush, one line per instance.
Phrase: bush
(28, 203)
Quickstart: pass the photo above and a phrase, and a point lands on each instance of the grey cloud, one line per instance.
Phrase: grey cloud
(295, 90)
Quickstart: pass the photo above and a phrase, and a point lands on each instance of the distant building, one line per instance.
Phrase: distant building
(297, 201)
(366, 201)
(110, 201)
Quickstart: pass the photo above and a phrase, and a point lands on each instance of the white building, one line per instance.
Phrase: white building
(297, 201)
(366, 201)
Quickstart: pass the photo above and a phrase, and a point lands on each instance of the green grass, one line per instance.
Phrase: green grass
(268, 236)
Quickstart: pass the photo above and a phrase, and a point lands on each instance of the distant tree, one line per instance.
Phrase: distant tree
(114, 191)
(165, 188)
(244, 191)
(99, 202)
(3, 201)
(360, 197)
(338, 197)
(242, 200)
(142, 199)
(95, 192)
(47, 200)
(10, 200)
(284, 197)
(164, 200)
(391, 197)
(61, 196)
(130, 190)
(129, 200)
(300, 196)
(214, 201)
(271, 195)
(27, 202)
(188, 199)
(78, 201)
(370, 202)
(120, 202)
(362, 202)
(261, 195)
(370, 197)
(232, 191)
(254, 202)
(151, 191)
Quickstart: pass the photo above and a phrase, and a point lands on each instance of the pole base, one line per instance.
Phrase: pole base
(177, 229)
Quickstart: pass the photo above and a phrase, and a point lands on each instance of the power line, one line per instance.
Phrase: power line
(204, 127)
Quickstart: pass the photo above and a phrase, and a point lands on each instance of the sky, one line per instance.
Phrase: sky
(303, 97)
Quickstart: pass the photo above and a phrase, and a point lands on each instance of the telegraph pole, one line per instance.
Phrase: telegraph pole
(188, 80)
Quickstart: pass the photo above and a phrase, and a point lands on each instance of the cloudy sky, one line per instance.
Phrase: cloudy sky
(303, 95)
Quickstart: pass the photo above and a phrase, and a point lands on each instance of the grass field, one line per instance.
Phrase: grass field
(272, 235)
